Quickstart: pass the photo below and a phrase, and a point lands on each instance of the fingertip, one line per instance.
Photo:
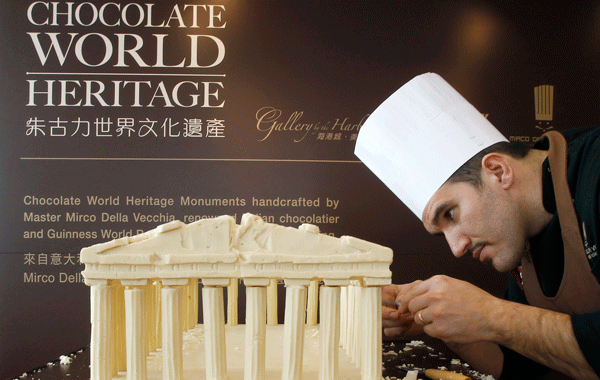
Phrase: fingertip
(393, 331)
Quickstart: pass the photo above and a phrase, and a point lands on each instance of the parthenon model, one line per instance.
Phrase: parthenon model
(144, 295)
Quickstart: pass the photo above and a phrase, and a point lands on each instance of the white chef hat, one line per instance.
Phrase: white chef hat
(417, 138)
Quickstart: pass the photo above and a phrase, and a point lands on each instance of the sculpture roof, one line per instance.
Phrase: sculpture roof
(218, 247)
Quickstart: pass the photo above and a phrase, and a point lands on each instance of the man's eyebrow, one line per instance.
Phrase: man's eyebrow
(438, 213)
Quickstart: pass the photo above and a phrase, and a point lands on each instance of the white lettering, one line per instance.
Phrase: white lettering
(132, 15)
(54, 46)
(91, 93)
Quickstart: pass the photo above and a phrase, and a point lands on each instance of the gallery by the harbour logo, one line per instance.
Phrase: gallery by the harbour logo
(544, 105)
(271, 120)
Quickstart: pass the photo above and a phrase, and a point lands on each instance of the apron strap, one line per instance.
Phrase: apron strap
(564, 202)
(579, 291)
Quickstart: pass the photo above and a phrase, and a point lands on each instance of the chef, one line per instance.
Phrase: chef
(531, 212)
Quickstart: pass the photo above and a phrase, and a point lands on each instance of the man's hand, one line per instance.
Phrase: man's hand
(452, 310)
(484, 356)
(396, 324)
(465, 316)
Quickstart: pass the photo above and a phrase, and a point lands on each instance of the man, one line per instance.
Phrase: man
(498, 202)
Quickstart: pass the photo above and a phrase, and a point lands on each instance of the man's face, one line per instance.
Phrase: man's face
(482, 222)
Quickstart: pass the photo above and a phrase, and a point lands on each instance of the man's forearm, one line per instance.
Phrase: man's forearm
(485, 357)
(542, 335)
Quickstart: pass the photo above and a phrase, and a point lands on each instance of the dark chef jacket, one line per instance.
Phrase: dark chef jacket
(583, 174)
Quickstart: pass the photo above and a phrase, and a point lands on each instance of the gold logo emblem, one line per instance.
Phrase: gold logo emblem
(544, 104)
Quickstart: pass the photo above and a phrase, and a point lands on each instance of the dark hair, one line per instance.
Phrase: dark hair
(470, 171)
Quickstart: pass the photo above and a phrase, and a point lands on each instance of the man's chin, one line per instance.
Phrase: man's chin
(502, 267)
(497, 267)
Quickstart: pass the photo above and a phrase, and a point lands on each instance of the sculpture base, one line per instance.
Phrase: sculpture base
(194, 366)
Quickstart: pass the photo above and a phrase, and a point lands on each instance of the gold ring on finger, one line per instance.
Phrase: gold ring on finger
(420, 317)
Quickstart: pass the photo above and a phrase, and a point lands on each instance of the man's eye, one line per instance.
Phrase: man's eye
(450, 214)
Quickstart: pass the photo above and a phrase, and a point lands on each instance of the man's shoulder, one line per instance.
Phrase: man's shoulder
(584, 148)
(584, 174)
(582, 134)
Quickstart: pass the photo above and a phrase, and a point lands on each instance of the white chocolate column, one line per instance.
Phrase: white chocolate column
(343, 316)
(172, 331)
(272, 317)
(135, 334)
(193, 283)
(152, 313)
(256, 329)
(312, 309)
(185, 307)
(232, 302)
(357, 324)
(329, 333)
(293, 329)
(213, 310)
(157, 324)
(101, 319)
(351, 322)
(371, 350)
(118, 326)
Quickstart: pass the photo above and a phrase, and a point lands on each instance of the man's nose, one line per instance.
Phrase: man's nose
(459, 243)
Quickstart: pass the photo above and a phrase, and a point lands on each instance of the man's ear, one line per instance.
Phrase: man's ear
(498, 168)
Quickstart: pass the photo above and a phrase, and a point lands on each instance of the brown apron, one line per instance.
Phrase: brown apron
(579, 291)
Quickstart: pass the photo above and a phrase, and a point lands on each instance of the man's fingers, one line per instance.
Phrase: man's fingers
(399, 320)
(394, 331)
(408, 292)
(389, 312)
